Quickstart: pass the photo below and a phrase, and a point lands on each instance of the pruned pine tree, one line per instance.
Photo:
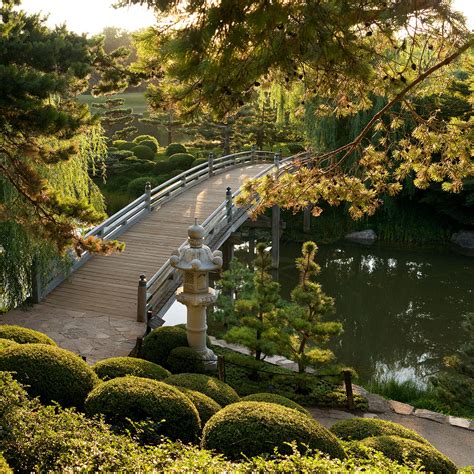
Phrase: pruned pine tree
(113, 114)
(256, 327)
(305, 328)
(167, 120)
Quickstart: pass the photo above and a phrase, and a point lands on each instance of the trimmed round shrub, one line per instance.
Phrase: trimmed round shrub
(205, 405)
(182, 161)
(143, 152)
(277, 399)
(185, 359)
(5, 343)
(257, 428)
(4, 467)
(162, 167)
(117, 143)
(173, 148)
(361, 428)
(24, 335)
(50, 373)
(120, 154)
(219, 391)
(136, 187)
(126, 146)
(161, 341)
(405, 450)
(140, 399)
(150, 144)
(295, 148)
(147, 138)
(121, 366)
(200, 161)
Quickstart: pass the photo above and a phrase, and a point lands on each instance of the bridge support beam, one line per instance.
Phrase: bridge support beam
(275, 236)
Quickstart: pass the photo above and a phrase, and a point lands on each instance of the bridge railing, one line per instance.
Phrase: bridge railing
(158, 290)
(152, 199)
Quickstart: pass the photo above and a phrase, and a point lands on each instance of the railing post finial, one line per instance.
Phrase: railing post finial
(148, 196)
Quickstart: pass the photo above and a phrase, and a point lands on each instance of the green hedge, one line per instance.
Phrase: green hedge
(185, 359)
(174, 148)
(182, 161)
(171, 412)
(5, 343)
(219, 391)
(24, 335)
(205, 405)
(361, 428)
(257, 428)
(161, 341)
(277, 399)
(114, 367)
(405, 450)
(143, 152)
(50, 373)
(147, 140)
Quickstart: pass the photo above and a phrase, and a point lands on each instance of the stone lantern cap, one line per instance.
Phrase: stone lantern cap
(195, 256)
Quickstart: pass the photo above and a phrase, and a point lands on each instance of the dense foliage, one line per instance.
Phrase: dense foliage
(262, 427)
(277, 399)
(205, 405)
(185, 359)
(50, 373)
(120, 366)
(5, 343)
(24, 335)
(158, 345)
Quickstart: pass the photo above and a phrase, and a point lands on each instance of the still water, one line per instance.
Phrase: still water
(401, 309)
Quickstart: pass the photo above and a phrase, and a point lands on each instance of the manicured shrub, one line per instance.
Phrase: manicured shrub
(295, 148)
(121, 366)
(200, 161)
(50, 373)
(24, 335)
(4, 467)
(150, 144)
(277, 399)
(162, 167)
(205, 405)
(405, 450)
(185, 359)
(120, 154)
(142, 399)
(257, 428)
(126, 146)
(147, 138)
(118, 143)
(219, 391)
(173, 148)
(161, 341)
(182, 161)
(143, 152)
(136, 187)
(361, 428)
(5, 343)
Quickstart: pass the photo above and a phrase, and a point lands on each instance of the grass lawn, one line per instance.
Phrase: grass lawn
(135, 100)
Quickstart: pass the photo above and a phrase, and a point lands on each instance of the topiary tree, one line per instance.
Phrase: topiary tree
(173, 148)
(205, 405)
(149, 139)
(219, 391)
(277, 399)
(185, 359)
(172, 413)
(161, 341)
(5, 343)
(361, 428)
(121, 366)
(182, 161)
(143, 152)
(407, 451)
(50, 373)
(24, 335)
(136, 187)
(257, 428)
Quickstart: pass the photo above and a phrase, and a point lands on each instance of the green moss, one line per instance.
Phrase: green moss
(205, 405)
(161, 341)
(51, 373)
(120, 366)
(361, 428)
(138, 399)
(4, 343)
(257, 428)
(185, 359)
(405, 450)
(24, 335)
(219, 391)
(277, 399)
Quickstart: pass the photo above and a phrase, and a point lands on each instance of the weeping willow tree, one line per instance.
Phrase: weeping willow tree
(21, 249)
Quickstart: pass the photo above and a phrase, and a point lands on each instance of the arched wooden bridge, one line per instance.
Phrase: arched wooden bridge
(93, 310)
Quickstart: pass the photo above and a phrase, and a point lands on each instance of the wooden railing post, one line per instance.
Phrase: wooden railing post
(228, 205)
(141, 300)
(35, 282)
(253, 154)
(148, 196)
(349, 392)
(210, 162)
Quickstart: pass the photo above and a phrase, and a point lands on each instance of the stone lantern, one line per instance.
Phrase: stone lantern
(196, 260)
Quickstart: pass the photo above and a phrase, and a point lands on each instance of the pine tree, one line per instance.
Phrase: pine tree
(256, 328)
(304, 329)
(113, 115)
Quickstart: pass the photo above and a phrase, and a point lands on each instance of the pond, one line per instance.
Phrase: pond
(401, 308)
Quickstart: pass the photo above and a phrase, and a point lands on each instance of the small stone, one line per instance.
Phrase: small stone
(362, 237)
(401, 408)
(430, 415)
(460, 422)
(377, 404)
(370, 415)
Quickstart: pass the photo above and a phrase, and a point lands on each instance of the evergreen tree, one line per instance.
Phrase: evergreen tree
(168, 121)
(304, 329)
(256, 328)
(113, 115)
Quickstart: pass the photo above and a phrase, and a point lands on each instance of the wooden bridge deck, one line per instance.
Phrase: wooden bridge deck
(93, 313)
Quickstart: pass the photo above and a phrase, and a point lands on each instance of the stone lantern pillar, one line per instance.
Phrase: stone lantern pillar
(196, 260)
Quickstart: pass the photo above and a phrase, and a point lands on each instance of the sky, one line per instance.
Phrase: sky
(91, 16)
